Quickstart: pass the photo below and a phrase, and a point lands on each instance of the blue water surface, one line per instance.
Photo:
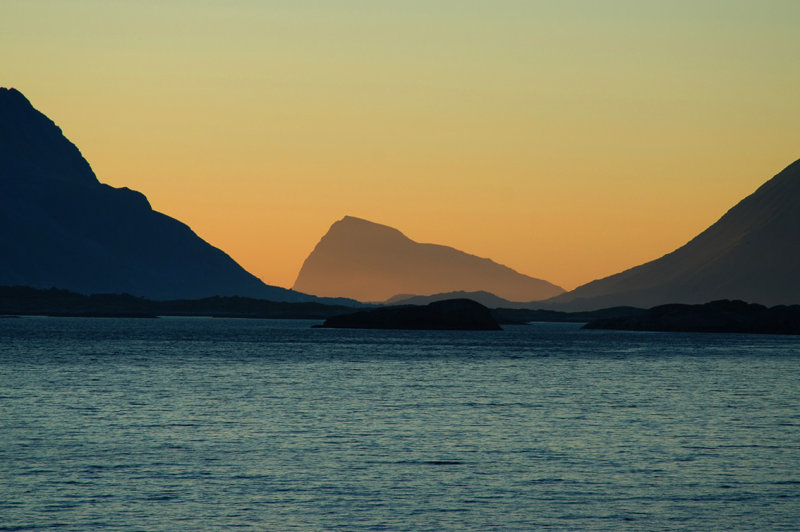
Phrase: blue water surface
(220, 424)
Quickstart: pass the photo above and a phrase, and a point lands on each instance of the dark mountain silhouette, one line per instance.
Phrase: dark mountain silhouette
(373, 262)
(24, 300)
(60, 227)
(752, 254)
(717, 316)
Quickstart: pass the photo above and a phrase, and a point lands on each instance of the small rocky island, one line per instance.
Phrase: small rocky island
(450, 314)
(718, 316)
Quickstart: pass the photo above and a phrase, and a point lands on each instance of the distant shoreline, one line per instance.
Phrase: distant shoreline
(717, 316)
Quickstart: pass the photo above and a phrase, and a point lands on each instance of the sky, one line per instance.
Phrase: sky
(569, 140)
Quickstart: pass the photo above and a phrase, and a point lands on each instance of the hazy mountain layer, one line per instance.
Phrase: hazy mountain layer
(373, 262)
(486, 299)
(60, 227)
(752, 254)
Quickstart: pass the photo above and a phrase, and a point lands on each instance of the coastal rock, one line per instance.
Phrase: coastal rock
(452, 314)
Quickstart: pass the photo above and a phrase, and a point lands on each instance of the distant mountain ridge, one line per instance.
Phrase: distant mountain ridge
(60, 227)
(372, 262)
(751, 254)
(27, 301)
(486, 299)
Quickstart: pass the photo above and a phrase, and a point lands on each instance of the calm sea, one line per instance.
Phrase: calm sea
(201, 423)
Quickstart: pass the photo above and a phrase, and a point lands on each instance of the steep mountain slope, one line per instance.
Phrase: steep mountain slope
(60, 227)
(752, 253)
(372, 262)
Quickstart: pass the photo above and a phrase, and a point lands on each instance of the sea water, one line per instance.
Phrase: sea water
(204, 424)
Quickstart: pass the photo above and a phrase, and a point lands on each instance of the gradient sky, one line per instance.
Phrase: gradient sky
(566, 139)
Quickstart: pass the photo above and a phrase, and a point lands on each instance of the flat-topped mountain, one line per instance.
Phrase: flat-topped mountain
(372, 262)
(60, 227)
(752, 254)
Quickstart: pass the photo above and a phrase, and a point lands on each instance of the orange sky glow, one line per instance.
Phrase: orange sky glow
(567, 140)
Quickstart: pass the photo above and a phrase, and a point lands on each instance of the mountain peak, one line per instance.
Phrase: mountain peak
(368, 261)
(60, 227)
(351, 228)
(13, 94)
(354, 223)
(354, 219)
(33, 146)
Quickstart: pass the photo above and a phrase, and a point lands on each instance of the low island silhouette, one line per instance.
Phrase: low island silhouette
(462, 314)
(450, 314)
(717, 316)
(28, 301)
